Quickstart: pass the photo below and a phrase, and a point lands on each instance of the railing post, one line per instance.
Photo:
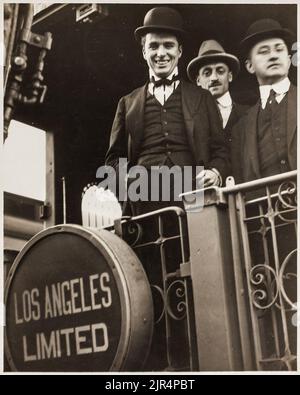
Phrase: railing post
(217, 326)
(240, 288)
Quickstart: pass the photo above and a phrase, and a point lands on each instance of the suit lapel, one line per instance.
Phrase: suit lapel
(232, 118)
(135, 119)
(291, 115)
(250, 146)
(189, 99)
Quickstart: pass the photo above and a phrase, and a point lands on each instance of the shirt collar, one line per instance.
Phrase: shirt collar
(225, 100)
(280, 88)
(152, 75)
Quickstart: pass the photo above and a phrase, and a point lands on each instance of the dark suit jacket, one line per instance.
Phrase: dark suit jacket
(245, 160)
(203, 127)
(238, 110)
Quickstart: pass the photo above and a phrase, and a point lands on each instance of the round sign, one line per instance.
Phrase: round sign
(77, 300)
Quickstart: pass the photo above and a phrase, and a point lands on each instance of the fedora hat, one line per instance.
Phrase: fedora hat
(161, 19)
(263, 29)
(210, 52)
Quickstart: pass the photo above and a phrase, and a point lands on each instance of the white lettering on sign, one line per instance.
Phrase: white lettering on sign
(48, 306)
(83, 340)
(48, 348)
(56, 300)
(85, 307)
(104, 346)
(27, 357)
(75, 296)
(65, 287)
(104, 280)
(94, 292)
(76, 309)
(71, 297)
(30, 307)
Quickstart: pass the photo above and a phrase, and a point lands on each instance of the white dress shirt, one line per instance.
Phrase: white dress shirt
(163, 92)
(280, 88)
(225, 106)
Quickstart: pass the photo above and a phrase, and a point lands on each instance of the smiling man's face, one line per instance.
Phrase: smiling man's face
(269, 60)
(162, 53)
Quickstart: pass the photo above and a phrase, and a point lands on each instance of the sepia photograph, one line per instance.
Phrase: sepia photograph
(149, 187)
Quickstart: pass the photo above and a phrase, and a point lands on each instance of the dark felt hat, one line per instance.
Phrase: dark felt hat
(161, 19)
(263, 29)
(211, 52)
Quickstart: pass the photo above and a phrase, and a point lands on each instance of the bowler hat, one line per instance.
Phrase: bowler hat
(161, 19)
(211, 52)
(263, 29)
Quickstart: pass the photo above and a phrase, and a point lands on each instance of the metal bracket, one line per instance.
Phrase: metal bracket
(214, 195)
(37, 40)
(185, 269)
(86, 12)
(118, 227)
(208, 197)
(45, 211)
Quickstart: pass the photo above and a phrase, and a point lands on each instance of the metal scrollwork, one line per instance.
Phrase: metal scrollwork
(176, 290)
(173, 301)
(268, 290)
(286, 204)
(161, 303)
(134, 233)
(269, 240)
(287, 276)
(263, 297)
(287, 194)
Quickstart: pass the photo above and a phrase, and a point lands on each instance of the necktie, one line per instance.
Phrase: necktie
(164, 81)
(220, 113)
(271, 102)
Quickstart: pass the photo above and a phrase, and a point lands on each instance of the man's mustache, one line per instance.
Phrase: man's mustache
(213, 84)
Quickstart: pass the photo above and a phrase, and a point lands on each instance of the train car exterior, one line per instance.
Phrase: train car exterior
(208, 289)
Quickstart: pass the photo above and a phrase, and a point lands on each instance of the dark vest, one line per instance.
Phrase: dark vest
(164, 138)
(271, 138)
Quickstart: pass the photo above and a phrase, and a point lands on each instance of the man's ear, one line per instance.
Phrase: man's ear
(249, 66)
(230, 76)
(143, 51)
(290, 61)
(198, 80)
(180, 51)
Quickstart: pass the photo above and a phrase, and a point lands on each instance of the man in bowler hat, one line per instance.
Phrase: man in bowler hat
(265, 139)
(214, 69)
(167, 121)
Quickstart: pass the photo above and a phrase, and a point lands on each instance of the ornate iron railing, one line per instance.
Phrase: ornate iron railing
(263, 221)
(244, 285)
(160, 239)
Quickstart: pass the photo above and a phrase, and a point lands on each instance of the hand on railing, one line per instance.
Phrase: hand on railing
(208, 178)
